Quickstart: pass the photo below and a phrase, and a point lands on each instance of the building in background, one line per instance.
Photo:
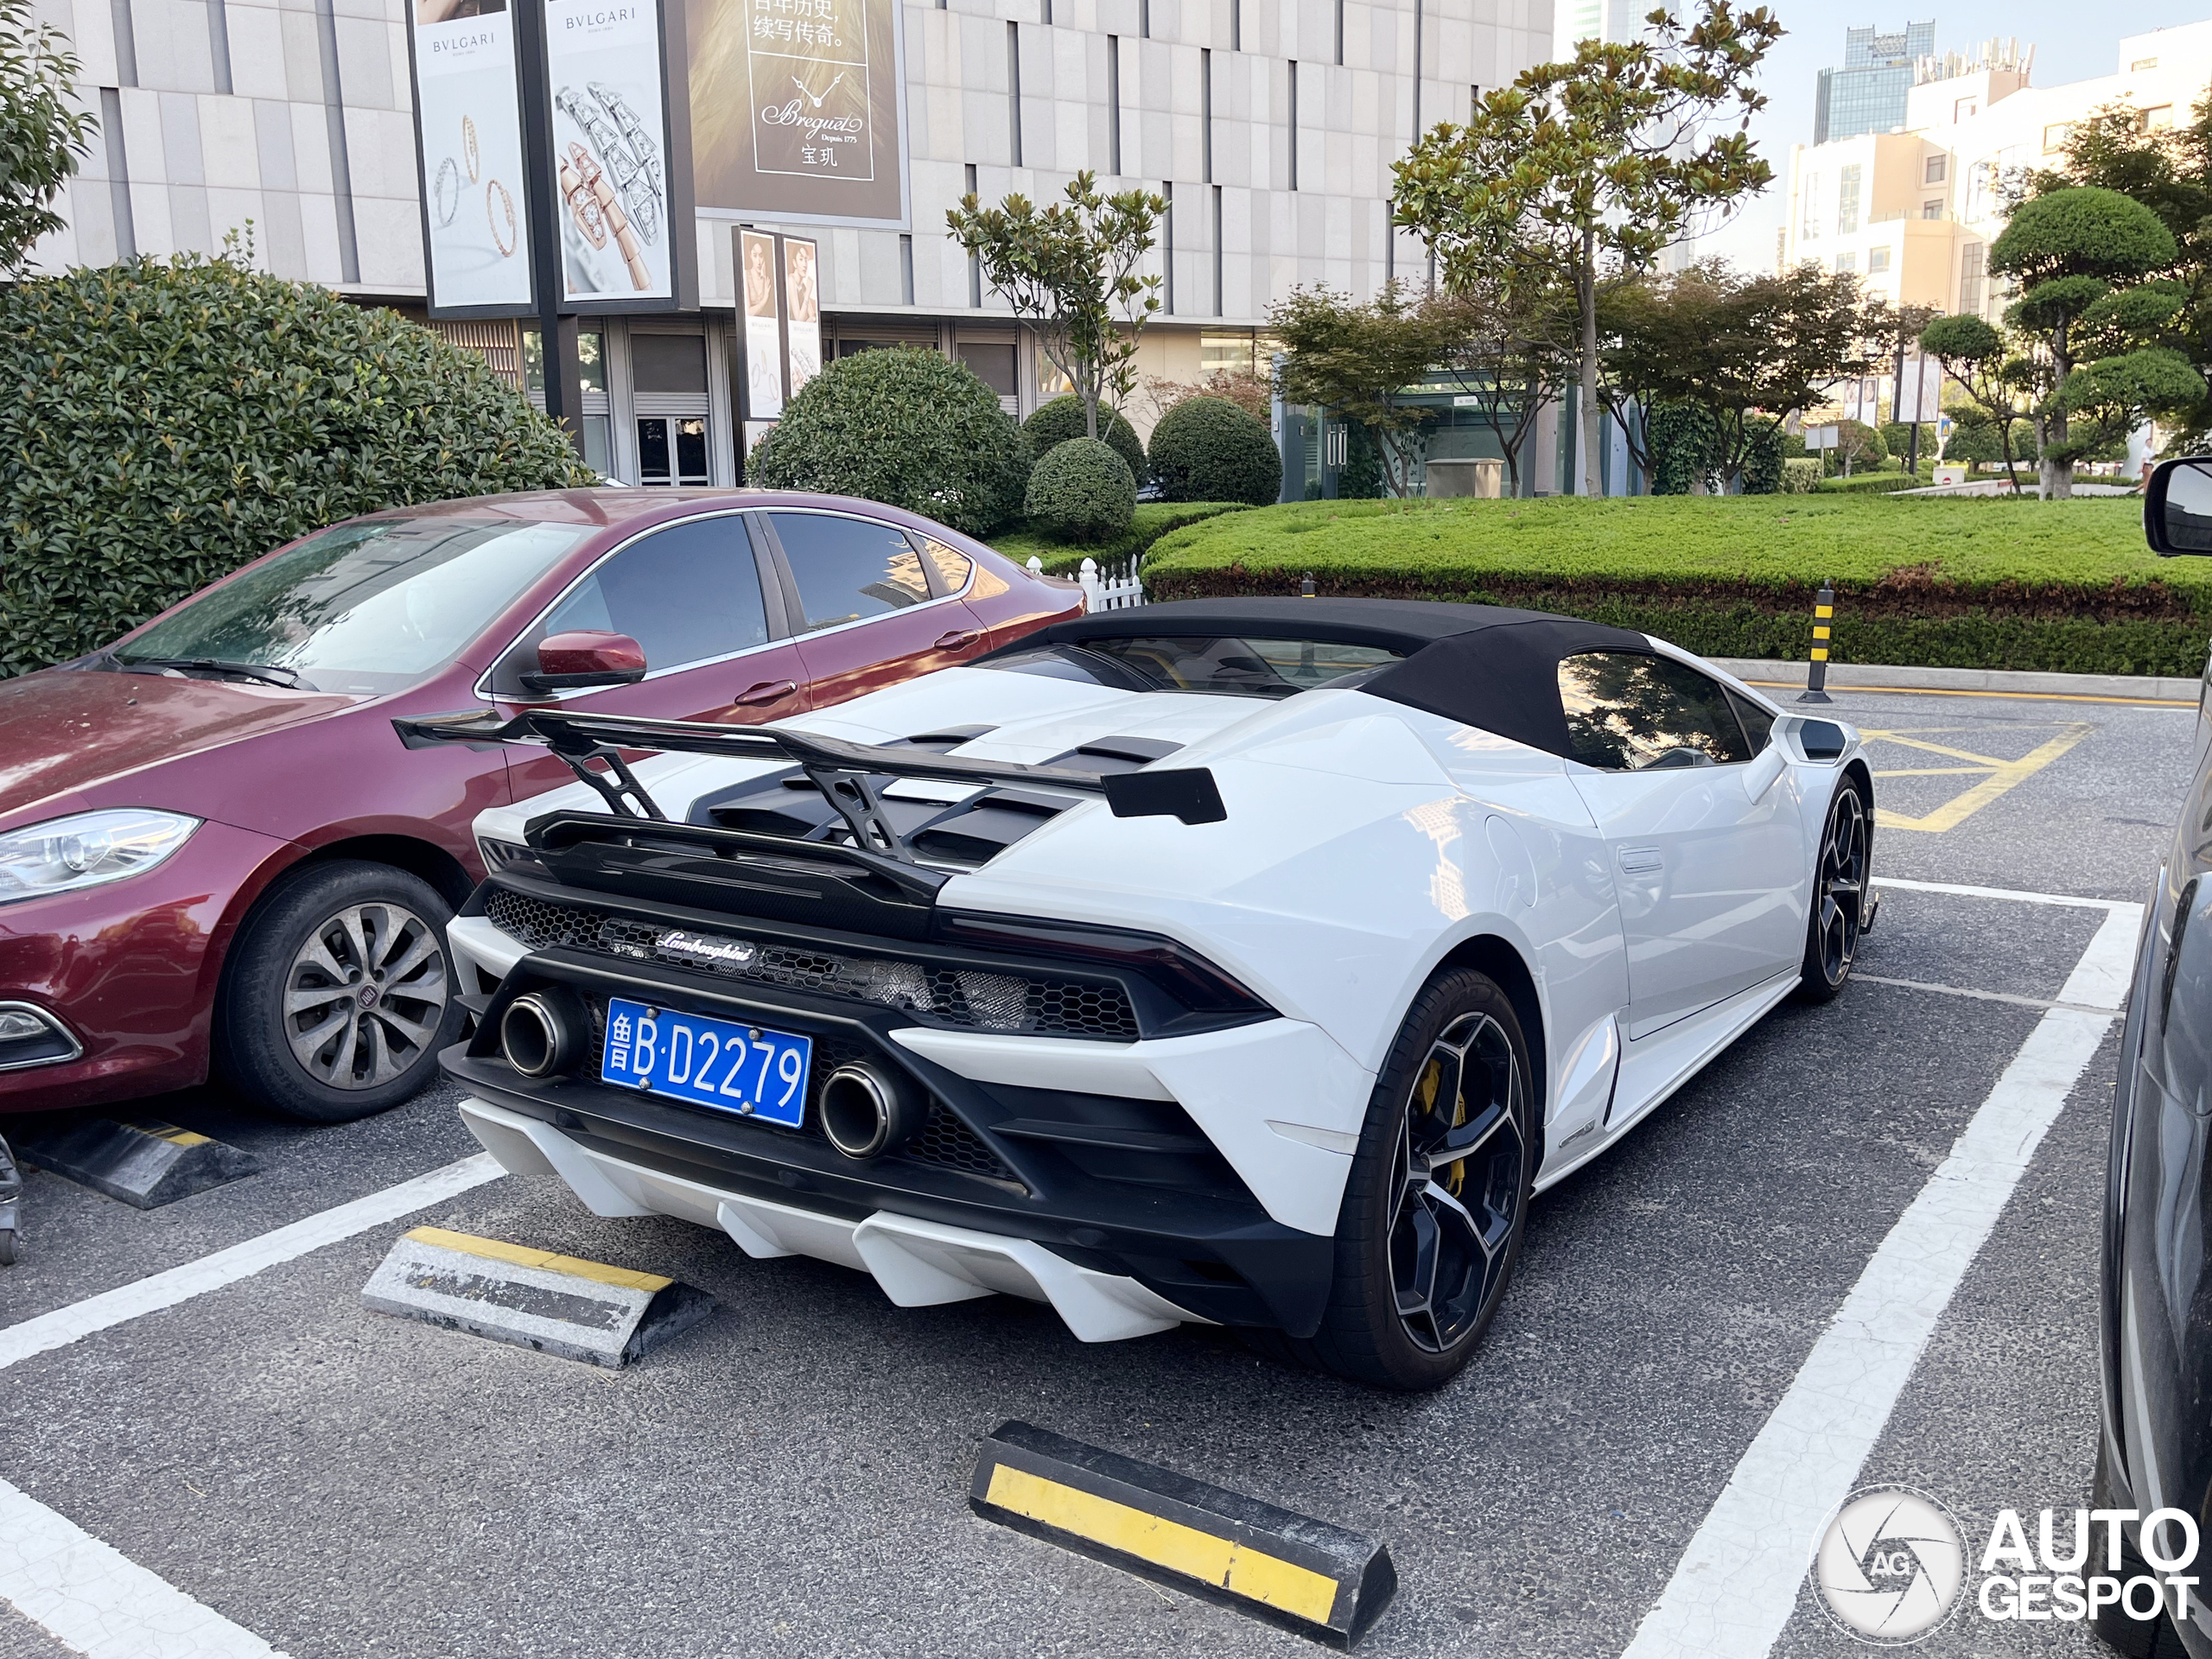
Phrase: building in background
(1269, 124)
(1867, 93)
(1913, 212)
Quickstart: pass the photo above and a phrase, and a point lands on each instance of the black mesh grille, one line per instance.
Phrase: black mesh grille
(944, 1141)
(942, 996)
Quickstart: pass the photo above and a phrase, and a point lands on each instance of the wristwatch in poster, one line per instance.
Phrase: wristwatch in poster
(593, 204)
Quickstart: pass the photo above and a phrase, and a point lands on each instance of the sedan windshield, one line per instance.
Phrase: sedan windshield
(370, 606)
(1240, 667)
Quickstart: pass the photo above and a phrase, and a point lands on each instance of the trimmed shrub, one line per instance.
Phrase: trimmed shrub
(1683, 437)
(1054, 424)
(1208, 449)
(1083, 491)
(905, 427)
(165, 423)
(1763, 461)
(1801, 474)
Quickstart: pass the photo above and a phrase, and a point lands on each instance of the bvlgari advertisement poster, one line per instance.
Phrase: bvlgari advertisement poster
(796, 109)
(469, 126)
(610, 123)
(764, 332)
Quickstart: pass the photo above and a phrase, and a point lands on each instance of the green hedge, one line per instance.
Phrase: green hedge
(162, 424)
(1153, 520)
(1965, 583)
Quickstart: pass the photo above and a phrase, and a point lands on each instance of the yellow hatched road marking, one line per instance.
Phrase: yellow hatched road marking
(1999, 776)
(1234, 1567)
(521, 1255)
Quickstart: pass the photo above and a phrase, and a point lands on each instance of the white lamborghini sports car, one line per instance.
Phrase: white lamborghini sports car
(1248, 960)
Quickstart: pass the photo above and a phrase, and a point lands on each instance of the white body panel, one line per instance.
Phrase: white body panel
(1366, 841)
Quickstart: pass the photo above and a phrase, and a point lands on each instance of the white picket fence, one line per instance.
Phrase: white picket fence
(1110, 587)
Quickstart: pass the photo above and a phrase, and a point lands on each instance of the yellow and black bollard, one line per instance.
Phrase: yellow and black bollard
(1823, 619)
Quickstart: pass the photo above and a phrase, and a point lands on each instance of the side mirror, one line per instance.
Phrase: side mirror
(2178, 507)
(586, 657)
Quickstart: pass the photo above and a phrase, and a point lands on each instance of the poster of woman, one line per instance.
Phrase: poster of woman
(764, 343)
(802, 307)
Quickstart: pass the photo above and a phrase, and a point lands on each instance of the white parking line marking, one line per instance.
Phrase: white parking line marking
(1979, 996)
(2128, 904)
(1737, 1584)
(66, 1324)
(92, 1598)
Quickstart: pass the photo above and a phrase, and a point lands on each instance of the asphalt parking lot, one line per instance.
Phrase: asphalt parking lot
(791, 1477)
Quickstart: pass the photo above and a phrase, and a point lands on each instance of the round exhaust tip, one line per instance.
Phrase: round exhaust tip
(866, 1112)
(538, 1036)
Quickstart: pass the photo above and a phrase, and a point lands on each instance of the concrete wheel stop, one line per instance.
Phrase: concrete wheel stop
(143, 1164)
(558, 1305)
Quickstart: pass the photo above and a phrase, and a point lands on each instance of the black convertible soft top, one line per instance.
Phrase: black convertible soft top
(1485, 665)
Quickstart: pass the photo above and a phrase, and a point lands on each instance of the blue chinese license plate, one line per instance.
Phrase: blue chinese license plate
(745, 1070)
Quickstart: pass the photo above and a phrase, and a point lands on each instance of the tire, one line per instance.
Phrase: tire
(1841, 870)
(344, 928)
(2135, 1638)
(1425, 1251)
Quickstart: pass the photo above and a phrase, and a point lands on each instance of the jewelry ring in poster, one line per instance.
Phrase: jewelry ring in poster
(583, 206)
(445, 194)
(624, 145)
(468, 146)
(497, 202)
(589, 185)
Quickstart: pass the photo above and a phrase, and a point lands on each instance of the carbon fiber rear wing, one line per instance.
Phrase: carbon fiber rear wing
(844, 773)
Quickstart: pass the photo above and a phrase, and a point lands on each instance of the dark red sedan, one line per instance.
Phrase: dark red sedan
(215, 853)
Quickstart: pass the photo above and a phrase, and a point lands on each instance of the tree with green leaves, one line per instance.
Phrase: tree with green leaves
(41, 132)
(1600, 163)
(1360, 361)
(2092, 321)
(1749, 349)
(1977, 358)
(1072, 272)
(1511, 345)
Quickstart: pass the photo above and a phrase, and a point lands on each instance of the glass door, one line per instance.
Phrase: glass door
(671, 450)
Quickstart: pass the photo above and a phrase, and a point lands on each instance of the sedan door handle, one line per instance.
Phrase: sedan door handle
(958, 640)
(767, 692)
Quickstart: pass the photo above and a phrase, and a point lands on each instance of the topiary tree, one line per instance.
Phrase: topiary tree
(1208, 449)
(1082, 491)
(2078, 254)
(1685, 444)
(166, 423)
(41, 135)
(1054, 424)
(905, 427)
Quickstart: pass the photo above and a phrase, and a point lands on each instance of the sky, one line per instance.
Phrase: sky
(2071, 44)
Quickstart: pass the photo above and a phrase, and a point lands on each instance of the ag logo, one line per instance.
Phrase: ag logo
(1889, 1565)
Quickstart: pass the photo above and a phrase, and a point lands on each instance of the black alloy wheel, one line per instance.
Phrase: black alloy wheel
(1841, 874)
(1439, 1195)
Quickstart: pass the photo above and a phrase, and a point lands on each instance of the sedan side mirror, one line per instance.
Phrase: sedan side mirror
(2178, 507)
(586, 657)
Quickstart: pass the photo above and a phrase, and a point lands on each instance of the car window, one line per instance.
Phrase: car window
(1234, 666)
(1630, 710)
(685, 594)
(951, 564)
(372, 606)
(1758, 725)
(848, 568)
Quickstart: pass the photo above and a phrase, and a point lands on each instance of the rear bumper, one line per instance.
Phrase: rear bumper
(918, 1263)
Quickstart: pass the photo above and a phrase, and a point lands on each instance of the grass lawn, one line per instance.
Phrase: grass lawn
(1984, 583)
(1153, 520)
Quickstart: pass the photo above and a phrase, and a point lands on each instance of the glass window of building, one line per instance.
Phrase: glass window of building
(1932, 208)
(1847, 262)
(2055, 135)
(1937, 169)
(1877, 258)
(591, 376)
(1972, 267)
(1227, 353)
(1809, 225)
(1846, 200)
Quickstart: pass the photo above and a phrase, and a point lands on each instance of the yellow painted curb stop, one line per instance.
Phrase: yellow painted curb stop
(1321, 1580)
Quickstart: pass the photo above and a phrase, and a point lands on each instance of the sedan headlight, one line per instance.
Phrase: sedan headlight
(63, 855)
